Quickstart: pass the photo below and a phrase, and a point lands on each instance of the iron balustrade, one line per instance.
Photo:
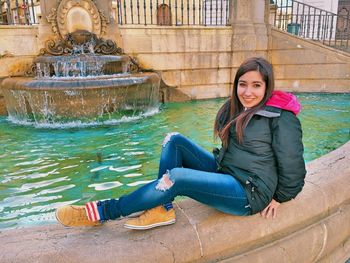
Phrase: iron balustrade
(312, 23)
(18, 12)
(135, 12)
(173, 12)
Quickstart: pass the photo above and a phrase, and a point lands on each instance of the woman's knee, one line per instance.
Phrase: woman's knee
(168, 179)
(171, 138)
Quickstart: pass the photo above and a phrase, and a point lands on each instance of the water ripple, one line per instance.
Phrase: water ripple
(37, 161)
(99, 168)
(106, 185)
(24, 200)
(140, 182)
(41, 184)
(133, 153)
(132, 175)
(69, 167)
(10, 178)
(56, 190)
(33, 169)
(125, 168)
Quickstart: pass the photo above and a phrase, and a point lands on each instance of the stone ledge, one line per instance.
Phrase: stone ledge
(313, 227)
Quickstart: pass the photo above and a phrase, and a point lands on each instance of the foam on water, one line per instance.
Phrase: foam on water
(81, 124)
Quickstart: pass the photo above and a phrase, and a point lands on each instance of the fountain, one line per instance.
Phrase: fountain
(79, 75)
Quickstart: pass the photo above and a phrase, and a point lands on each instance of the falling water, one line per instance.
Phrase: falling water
(82, 86)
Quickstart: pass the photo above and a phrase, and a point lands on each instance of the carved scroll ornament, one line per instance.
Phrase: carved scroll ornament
(62, 43)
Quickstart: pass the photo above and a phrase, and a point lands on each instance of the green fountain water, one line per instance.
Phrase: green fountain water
(44, 167)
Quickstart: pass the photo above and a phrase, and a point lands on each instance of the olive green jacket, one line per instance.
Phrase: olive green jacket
(269, 163)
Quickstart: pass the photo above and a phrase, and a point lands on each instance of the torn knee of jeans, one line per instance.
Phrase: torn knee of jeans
(164, 183)
(168, 137)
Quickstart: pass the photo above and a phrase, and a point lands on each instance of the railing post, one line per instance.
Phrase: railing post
(1, 17)
(132, 12)
(125, 21)
(16, 20)
(145, 12)
(8, 12)
(182, 12)
(26, 12)
(188, 13)
(151, 12)
(33, 12)
(194, 12)
(119, 13)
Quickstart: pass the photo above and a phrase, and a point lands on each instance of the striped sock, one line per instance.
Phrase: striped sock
(92, 211)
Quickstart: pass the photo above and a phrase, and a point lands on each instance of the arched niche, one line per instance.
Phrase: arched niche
(73, 15)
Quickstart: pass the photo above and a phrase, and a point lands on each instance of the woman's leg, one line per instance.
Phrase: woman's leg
(179, 151)
(220, 191)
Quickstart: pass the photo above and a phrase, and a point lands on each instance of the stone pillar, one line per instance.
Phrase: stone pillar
(249, 21)
(112, 31)
(44, 29)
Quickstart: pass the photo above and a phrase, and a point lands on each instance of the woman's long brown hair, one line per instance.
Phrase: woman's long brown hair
(232, 112)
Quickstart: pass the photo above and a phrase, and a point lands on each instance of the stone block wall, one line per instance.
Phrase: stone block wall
(308, 66)
(199, 61)
(195, 60)
(18, 47)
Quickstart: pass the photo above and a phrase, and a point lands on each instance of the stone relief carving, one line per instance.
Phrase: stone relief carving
(63, 42)
(52, 19)
(66, 5)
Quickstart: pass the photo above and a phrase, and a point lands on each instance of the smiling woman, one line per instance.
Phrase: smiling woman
(259, 165)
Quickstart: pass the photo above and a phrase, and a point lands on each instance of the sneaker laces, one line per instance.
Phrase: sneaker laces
(145, 215)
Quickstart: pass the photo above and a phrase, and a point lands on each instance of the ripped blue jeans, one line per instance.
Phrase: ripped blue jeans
(185, 169)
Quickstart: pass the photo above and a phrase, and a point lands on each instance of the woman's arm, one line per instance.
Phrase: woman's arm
(288, 148)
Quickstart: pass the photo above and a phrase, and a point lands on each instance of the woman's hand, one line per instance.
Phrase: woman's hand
(270, 210)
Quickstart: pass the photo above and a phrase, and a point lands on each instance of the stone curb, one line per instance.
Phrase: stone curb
(315, 227)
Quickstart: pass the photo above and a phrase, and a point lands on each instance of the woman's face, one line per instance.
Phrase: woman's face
(251, 89)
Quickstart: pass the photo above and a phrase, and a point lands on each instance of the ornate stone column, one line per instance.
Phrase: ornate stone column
(44, 28)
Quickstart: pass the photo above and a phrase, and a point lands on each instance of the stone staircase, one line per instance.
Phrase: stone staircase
(312, 23)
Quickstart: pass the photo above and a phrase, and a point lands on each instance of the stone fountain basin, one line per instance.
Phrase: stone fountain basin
(58, 99)
(81, 65)
(81, 57)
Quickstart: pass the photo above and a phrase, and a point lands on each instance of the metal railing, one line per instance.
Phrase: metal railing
(173, 12)
(313, 23)
(18, 12)
(134, 12)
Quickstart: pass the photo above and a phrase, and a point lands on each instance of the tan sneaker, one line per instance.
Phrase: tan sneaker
(154, 217)
(74, 215)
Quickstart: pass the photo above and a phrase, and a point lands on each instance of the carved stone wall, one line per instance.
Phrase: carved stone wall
(72, 15)
(62, 17)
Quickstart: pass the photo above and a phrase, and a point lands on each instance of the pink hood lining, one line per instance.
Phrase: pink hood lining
(284, 100)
